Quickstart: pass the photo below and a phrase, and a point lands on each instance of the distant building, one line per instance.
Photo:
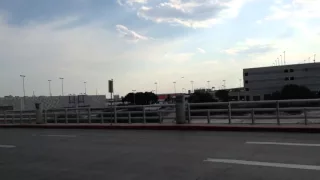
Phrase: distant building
(260, 83)
(52, 102)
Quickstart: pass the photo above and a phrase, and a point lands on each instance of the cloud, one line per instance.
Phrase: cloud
(131, 2)
(200, 50)
(192, 13)
(251, 47)
(129, 34)
(296, 9)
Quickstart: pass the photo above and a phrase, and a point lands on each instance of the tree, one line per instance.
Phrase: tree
(141, 98)
(222, 95)
(293, 91)
(201, 97)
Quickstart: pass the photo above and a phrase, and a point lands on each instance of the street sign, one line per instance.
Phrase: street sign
(110, 86)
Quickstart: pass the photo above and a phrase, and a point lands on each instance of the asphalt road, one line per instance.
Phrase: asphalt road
(36, 154)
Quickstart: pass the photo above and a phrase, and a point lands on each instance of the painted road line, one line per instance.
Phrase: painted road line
(57, 135)
(266, 164)
(7, 146)
(283, 144)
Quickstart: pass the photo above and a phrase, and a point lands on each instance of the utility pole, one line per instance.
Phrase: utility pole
(85, 88)
(50, 87)
(61, 85)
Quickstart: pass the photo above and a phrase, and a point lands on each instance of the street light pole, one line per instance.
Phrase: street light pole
(50, 87)
(191, 86)
(224, 84)
(24, 91)
(174, 86)
(85, 88)
(156, 87)
(61, 85)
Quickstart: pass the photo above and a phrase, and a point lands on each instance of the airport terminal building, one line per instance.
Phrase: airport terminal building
(260, 83)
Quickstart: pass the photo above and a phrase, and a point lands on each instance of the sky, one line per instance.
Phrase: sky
(138, 43)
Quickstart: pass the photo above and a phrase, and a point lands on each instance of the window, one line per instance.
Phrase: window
(246, 74)
(81, 99)
(286, 79)
(247, 89)
(291, 70)
(291, 78)
(246, 81)
(286, 70)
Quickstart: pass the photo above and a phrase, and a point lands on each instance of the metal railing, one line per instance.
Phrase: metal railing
(305, 111)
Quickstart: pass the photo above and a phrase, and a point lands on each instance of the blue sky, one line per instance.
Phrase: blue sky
(140, 42)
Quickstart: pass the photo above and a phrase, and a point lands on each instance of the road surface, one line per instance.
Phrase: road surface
(44, 154)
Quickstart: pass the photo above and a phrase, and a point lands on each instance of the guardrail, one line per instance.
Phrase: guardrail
(236, 112)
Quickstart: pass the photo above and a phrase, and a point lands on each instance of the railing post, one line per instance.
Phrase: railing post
(208, 116)
(102, 118)
(89, 115)
(252, 116)
(115, 114)
(45, 116)
(305, 116)
(20, 116)
(12, 116)
(229, 112)
(55, 118)
(77, 114)
(144, 115)
(66, 116)
(160, 117)
(278, 113)
(5, 117)
(129, 117)
(189, 114)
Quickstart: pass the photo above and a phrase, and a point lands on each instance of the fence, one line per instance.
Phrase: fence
(237, 112)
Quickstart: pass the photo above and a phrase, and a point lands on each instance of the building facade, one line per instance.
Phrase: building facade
(260, 83)
(52, 102)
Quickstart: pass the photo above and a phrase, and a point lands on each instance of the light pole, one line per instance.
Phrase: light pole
(24, 91)
(156, 87)
(174, 86)
(224, 84)
(61, 85)
(134, 97)
(85, 88)
(191, 86)
(50, 87)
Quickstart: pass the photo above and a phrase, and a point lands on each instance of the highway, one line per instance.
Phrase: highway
(47, 154)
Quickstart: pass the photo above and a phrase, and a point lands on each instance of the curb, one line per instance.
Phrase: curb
(244, 128)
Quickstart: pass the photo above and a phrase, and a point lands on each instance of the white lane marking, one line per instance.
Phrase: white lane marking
(284, 144)
(56, 135)
(7, 146)
(266, 164)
